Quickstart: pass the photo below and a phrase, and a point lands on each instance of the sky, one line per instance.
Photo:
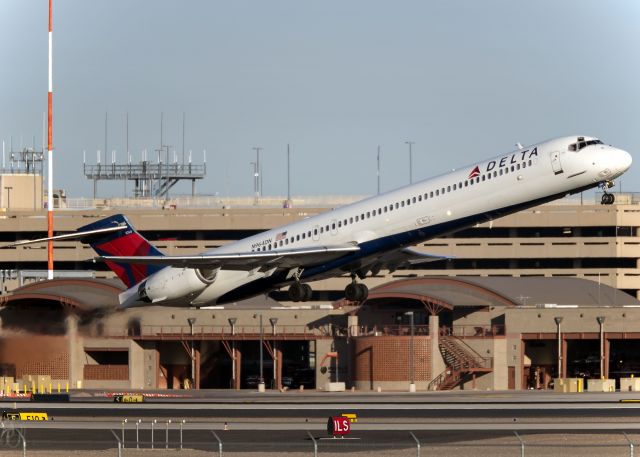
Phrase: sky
(464, 80)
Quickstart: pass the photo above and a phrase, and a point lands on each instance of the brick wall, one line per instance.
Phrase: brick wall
(386, 358)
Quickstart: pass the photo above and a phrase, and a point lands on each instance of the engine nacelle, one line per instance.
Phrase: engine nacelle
(175, 284)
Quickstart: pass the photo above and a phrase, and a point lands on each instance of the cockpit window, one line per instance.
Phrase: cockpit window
(581, 143)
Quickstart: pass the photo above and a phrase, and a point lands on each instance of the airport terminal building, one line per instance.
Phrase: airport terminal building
(548, 292)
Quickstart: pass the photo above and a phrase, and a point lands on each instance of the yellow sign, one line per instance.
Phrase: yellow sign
(128, 398)
(351, 416)
(25, 416)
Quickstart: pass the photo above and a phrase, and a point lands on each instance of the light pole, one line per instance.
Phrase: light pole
(378, 172)
(274, 321)
(258, 172)
(410, 143)
(559, 323)
(232, 322)
(601, 320)
(9, 189)
(192, 321)
(256, 197)
(412, 384)
(261, 380)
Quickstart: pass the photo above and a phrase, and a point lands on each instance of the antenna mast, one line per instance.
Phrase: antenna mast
(50, 153)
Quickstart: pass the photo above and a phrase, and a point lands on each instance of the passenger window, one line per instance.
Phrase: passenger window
(357, 218)
(403, 203)
(437, 191)
(483, 177)
(420, 197)
(297, 237)
(408, 201)
(455, 187)
(333, 226)
(448, 188)
(321, 229)
(397, 205)
(431, 194)
(495, 174)
(286, 241)
(426, 196)
(471, 182)
(350, 220)
(524, 164)
(339, 224)
(303, 235)
(327, 228)
(513, 168)
(315, 231)
(529, 162)
(368, 214)
(413, 200)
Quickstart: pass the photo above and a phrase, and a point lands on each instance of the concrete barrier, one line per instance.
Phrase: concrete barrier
(601, 385)
(568, 385)
(629, 384)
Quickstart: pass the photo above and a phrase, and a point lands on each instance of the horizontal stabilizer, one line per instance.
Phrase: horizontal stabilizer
(68, 236)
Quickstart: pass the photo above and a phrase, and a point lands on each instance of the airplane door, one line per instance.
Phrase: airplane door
(555, 162)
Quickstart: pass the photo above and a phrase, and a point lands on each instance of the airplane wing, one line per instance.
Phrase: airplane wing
(289, 258)
(402, 258)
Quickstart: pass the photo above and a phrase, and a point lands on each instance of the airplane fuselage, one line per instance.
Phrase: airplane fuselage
(477, 193)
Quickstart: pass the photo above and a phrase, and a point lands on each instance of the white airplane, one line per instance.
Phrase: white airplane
(359, 238)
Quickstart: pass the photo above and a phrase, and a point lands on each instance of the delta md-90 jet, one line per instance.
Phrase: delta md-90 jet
(357, 239)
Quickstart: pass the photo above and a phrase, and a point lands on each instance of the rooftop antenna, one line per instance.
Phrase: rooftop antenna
(378, 172)
(50, 152)
(288, 174)
(183, 115)
(105, 137)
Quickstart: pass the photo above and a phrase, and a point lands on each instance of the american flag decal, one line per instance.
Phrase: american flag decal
(474, 173)
(281, 236)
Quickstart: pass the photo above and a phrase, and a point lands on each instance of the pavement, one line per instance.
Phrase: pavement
(248, 423)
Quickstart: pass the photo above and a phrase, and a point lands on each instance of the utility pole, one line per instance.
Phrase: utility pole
(258, 174)
(378, 172)
(410, 143)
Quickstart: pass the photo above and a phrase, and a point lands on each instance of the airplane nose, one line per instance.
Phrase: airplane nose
(623, 160)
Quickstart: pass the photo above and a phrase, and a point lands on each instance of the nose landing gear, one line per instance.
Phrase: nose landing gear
(607, 198)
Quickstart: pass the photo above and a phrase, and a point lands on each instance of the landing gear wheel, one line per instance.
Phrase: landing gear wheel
(363, 292)
(296, 292)
(608, 199)
(356, 292)
(308, 292)
(300, 292)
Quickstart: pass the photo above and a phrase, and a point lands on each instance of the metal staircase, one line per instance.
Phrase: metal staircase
(461, 361)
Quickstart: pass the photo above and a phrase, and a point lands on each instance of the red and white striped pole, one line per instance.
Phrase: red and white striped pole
(50, 155)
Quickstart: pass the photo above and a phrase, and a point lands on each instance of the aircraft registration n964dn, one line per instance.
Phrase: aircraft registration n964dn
(357, 239)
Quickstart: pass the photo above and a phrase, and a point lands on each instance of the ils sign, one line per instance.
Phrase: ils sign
(338, 425)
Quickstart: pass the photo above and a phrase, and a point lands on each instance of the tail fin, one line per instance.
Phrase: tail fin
(127, 242)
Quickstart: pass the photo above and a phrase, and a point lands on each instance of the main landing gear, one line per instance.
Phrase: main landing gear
(355, 291)
(300, 292)
(607, 198)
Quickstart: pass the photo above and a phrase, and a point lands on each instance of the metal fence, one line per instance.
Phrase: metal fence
(164, 437)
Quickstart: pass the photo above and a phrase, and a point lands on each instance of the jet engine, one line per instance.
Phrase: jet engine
(175, 283)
